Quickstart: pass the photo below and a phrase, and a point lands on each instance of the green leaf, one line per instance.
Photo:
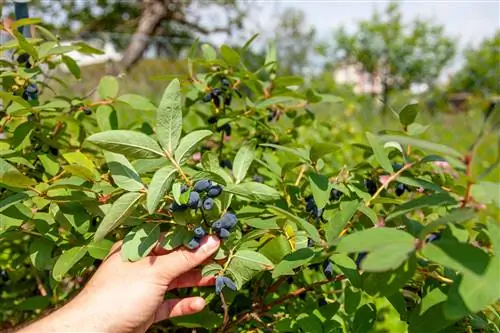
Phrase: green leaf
(417, 182)
(428, 316)
(300, 153)
(139, 242)
(439, 199)
(99, 250)
(387, 257)
(80, 171)
(374, 238)
(72, 213)
(254, 260)
(160, 184)
(10, 176)
(364, 319)
(292, 261)
(318, 150)
(50, 164)
(242, 161)
(189, 143)
(302, 224)
(319, 187)
(210, 176)
(122, 208)
(253, 191)
(41, 252)
(352, 300)
(276, 248)
(108, 87)
(211, 269)
(340, 220)
(385, 284)
(34, 303)
(13, 199)
(123, 173)
(209, 52)
(379, 152)
(230, 56)
(408, 114)
(426, 145)
(461, 257)
(456, 216)
(67, 260)
(13, 216)
(137, 102)
(176, 237)
(129, 143)
(107, 118)
(309, 323)
(72, 66)
(282, 100)
(169, 117)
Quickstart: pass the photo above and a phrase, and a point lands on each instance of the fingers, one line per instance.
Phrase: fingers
(179, 307)
(192, 278)
(159, 250)
(180, 261)
(114, 249)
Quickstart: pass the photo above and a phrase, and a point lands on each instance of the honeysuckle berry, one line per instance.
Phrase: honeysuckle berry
(228, 99)
(199, 232)
(370, 186)
(219, 284)
(202, 185)
(216, 92)
(193, 244)
(208, 203)
(212, 120)
(310, 243)
(223, 233)
(432, 237)
(258, 179)
(360, 258)
(328, 268)
(225, 83)
(226, 128)
(4, 275)
(194, 198)
(229, 283)
(322, 301)
(217, 225)
(335, 194)
(87, 111)
(207, 98)
(229, 220)
(184, 188)
(214, 191)
(226, 164)
(400, 189)
(175, 207)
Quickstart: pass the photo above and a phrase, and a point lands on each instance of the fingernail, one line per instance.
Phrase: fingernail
(197, 305)
(211, 244)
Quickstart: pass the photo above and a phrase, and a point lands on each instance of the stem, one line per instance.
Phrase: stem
(226, 312)
(468, 172)
(301, 174)
(178, 167)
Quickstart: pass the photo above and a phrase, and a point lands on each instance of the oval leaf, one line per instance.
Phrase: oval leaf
(242, 162)
(129, 143)
(169, 117)
(123, 173)
(161, 182)
(67, 260)
(188, 144)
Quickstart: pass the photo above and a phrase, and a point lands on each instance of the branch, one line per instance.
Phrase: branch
(181, 19)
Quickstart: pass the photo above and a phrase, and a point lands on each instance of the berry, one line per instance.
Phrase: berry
(214, 191)
(175, 207)
(23, 59)
(302, 296)
(225, 83)
(397, 166)
(212, 120)
(225, 128)
(370, 186)
(184, 188)
(217, 225)
(223, 233)
(310, 206)
(193, 244)
(228, 221)
(194, 198)
(87, 111)
(335, 194)
(199, 232)
(208, 203)
(310, 243)
(229, 283)
(219, 284)
(202, 185)
(226, 164)
(432, 237)
(216, 92)
(328, 268)
(216, 101)
(4, 276)
(31, 88)
(228, 99)
(322, 301)
(258, 179)
(207, 98)
(400, 189)
(360, 258)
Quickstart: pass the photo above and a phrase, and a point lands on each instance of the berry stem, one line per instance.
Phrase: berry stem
(178, 167)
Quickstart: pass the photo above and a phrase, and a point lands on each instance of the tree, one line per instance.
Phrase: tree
(395, 53)
(169, 25)
(481, 71)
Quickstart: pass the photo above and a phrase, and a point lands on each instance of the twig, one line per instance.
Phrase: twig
(468, 174)
(301, 174)
(226, 312)
(178, 167)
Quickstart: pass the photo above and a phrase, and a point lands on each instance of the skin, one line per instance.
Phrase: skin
(129, 297)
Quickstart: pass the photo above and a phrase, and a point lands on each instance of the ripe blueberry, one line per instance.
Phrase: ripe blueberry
(360, 258)
(199, 232)
(208, 203)
(370, 186)
(225, 128)
(400, 189)
(219, 284)
(194, 198)
(207, 98)
(335, 194)
(193, 244)
(216, 92)
(229, 283)
(214, 191)
(229, 220)
(225, 83)
(223, 233)
(175, 207)
(212, 120)
(217, 225)
(228, 99)
(226, 164)
(202, 185)
(328, 268)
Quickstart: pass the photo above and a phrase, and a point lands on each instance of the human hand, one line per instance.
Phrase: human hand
(129, 297)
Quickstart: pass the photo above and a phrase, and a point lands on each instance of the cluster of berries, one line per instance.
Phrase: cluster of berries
(223, 281)
(216, 94)
(225, 225)
(312, 208)
(199, 233)
(196, 200)
(370, 186)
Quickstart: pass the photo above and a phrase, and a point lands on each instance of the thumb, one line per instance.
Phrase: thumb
(183, 260)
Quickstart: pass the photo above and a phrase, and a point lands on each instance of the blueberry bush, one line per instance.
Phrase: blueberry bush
(321, 231)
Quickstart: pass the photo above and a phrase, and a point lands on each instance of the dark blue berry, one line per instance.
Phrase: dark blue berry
(229, 220)
(175, 207)
(217, 225)
(335, 194)
(214, 191)
(202, 185)
(216, 101)
(193, 244)
(225, 83)
(370, 186)
(87, 111)
(228, 99)
(199, 232)
(432, 237)
(226, 128)
(223, 233)
(184, 188)
(310, 242)
(226, 164)
(360, 258)
(219, 284)
(216, 92)
(397, 166)
(229, 283)
(212, 120)
(328, 269)
(207, 98)
(400, 189)
(322, 301)
(194, 198)
(208, 203)
(258, 179)
(4, 276)
(310, 206)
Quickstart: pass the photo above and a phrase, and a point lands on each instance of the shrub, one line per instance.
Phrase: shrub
(310, 244)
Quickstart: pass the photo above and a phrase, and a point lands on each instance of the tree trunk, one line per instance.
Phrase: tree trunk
(154, 12)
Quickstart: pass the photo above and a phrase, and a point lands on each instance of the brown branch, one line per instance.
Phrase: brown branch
(226, 312)
(468, 173)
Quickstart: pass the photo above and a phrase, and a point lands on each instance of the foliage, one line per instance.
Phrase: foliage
(396, 53)
(74, 179)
